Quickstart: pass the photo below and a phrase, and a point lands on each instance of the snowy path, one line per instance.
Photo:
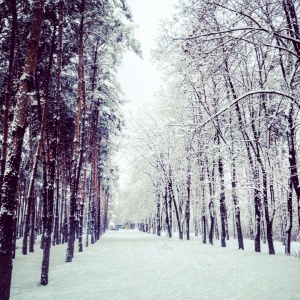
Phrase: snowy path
(135, 265)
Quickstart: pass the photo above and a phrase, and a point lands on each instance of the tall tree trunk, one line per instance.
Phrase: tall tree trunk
(14, 24)
(269, 220)
(223, 211)
(83, 196)
(187, 207)
(98, 218)
(212, 222)
(10, 179)
(171, 195)
(203, 210)
(52, 154)
(30, 198)
(237, 213)
(158, 224)
(44, 195)
(50, 206)
(56, 238)
(290, 219)
(257, 209)
(170, 216)
(254, 171)
(291, 134)
(76, 148)
(167, 212)
(211, 203)
(292, 23)
(81, 213)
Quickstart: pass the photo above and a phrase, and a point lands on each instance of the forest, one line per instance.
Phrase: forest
(216, 156)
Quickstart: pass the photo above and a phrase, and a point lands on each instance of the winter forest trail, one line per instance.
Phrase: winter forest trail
(135, 265)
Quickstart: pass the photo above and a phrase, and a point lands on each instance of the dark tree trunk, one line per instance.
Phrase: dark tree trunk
(30, 198)
(93, 223)
(89, 217)
(10, 179)
(32, 225)
(211, 204)
(263, 230)
(27, 224)
(269, 221)
(216, 226)
(98, 219)
(158, 224)
(14, 239)
(52, 140)
(167, 212)
(172, 197)
(50, 193)
(14, 24)
(236, 206)
(291, 134)
(223, 211)
(292, 23)
(204, 229)
(290, 218)
(170, 217)
(255, 176)
(45, 208)
(56, 218)
(187, 207)
(80, 247)
(212, 222)
(22, 209)
(257, 207)
(76, 148)
(204, 220)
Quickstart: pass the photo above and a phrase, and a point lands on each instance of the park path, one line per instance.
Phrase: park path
(135, 265)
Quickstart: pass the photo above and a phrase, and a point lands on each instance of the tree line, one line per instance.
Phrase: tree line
(219, 155)
(60, 116)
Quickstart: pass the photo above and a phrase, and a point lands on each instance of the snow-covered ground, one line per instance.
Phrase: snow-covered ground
(135, 265)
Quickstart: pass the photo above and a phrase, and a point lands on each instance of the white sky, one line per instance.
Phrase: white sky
(138, 77)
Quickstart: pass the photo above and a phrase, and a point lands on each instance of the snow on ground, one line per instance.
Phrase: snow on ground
(135, 265)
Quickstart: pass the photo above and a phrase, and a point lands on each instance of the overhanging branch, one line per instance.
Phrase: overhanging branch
(244, 96)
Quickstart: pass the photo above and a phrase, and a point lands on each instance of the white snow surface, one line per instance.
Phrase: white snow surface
(135, 265)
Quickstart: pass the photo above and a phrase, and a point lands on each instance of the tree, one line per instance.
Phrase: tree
(10, 180)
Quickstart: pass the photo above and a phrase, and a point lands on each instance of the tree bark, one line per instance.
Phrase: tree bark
(14, 25)
(254, 171)
(10, 179)
(212, 222)
(203, 211)
(223, 211)
(158, 225)
(172, 197)
(236, 206)
(167, 212)
(187, 207)
(290, 219)
(291, 134)
(75, 176)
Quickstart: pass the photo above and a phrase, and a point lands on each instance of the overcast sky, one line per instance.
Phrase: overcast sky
(138, 77)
